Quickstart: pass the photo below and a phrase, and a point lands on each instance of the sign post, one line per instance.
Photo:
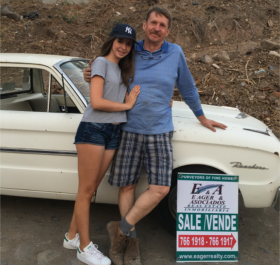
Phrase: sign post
(207, 218)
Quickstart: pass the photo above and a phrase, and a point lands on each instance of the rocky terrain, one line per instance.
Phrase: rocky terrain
(231, 46)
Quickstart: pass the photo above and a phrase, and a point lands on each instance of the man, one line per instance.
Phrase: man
(146, 137)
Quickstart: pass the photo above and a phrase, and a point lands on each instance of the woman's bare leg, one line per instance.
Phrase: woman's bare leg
(89, 163)
(106, 160)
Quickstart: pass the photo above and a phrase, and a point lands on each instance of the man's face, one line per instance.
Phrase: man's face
(156, 28)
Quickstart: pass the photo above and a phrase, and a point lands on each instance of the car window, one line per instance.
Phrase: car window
(25, 89)
(57, 95)
(74, 70)
(14, 80)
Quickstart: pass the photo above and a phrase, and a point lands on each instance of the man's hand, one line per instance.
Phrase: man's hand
(87, 72)
(210, 124)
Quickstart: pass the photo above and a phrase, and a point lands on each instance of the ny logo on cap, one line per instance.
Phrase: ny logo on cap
(128, 30)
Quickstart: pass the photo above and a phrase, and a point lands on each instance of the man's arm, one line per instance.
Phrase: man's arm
(87, 77)
(188, 90)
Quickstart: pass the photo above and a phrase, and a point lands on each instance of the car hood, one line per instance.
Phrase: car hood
(188, 128)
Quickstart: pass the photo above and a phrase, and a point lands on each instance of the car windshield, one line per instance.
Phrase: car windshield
(74, 70)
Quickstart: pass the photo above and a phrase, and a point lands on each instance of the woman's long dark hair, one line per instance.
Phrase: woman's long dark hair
(126, 64)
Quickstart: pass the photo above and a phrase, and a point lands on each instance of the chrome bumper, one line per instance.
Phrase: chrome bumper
(276, 203)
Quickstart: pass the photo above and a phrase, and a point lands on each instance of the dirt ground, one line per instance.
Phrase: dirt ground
(32, 232)
(234, 26)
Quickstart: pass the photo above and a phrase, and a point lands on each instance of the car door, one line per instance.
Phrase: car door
(38, 157)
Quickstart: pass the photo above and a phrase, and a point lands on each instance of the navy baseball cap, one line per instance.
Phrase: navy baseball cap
(124, 31)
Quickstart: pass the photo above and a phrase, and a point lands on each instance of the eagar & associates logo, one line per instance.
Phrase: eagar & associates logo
(207, 198)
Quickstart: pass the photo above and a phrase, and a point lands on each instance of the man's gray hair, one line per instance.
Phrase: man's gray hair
(160, 11)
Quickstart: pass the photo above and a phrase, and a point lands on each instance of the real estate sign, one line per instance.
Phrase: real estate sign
(207, 218)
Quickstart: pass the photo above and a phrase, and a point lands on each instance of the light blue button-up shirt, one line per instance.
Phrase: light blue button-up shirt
(157, 74)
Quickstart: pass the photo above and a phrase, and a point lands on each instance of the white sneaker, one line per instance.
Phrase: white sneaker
(92, 256)
(73, 243)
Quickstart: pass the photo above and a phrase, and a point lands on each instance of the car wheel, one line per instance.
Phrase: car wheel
(167, 208)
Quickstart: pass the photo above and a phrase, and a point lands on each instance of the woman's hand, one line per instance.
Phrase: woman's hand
(130, 98)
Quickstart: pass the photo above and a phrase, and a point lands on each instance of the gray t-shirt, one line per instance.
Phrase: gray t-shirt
(113, 90)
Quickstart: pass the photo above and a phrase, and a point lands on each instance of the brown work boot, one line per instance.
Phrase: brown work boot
(132, 252)
(117, 239)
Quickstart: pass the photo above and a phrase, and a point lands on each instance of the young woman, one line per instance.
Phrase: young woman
(97, 136)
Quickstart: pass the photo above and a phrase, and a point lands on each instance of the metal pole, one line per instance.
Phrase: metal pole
(49, 92)
(66, 110)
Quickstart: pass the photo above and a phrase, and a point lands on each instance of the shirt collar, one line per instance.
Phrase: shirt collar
(140, 46)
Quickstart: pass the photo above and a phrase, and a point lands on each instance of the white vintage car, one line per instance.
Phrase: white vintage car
(43, 98)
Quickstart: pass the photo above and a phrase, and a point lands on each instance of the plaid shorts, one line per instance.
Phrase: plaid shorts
(154, 151)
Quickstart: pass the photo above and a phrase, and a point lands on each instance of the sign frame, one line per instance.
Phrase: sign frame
(207, 218)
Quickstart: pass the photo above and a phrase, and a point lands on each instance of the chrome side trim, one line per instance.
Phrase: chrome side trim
(276, 203)
(37, 151)
(58, 68)
(257, 131)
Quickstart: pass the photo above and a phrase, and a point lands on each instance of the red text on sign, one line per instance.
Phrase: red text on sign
(206, 241)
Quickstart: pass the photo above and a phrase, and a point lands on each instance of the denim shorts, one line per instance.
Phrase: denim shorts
(105, 134)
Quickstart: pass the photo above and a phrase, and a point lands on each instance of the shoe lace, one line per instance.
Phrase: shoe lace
(95, 252)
